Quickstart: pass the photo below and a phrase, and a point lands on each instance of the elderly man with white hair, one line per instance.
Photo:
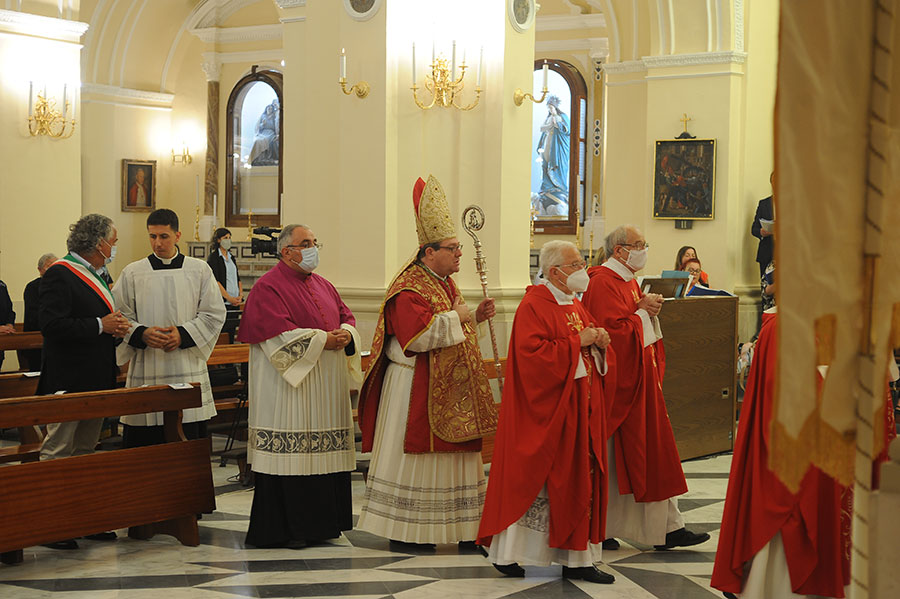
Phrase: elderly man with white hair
(546, 496)
(645, 472)
(31, 358)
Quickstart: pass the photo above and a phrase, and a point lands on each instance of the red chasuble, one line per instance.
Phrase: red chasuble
(647, 462)
(551, 427)
(450, 394)
(758, 505)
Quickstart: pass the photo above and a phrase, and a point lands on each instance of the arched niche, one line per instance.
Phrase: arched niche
(254, 149)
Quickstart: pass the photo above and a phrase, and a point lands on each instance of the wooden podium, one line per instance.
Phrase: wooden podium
(700, 338)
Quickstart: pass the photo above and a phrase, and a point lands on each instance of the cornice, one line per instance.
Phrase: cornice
(127, 95)
(701, 58)
(250, 56)
(567, 22)
(235, 35)
(62, 30)
(626, 66)
(290, 3)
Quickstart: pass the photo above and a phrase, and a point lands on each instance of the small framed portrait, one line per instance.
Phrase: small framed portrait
(684, 179)
(138, 185)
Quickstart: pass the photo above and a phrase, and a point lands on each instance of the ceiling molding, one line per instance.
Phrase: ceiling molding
(125, 95)
(701, 58)
(626, 66)
(236, 35)
(596, 47)
(251, 56)
(215, 12)
(62, 30)
(290, 3)
(566, 22)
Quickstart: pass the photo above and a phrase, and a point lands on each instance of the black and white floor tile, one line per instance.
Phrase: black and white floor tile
(357, 565)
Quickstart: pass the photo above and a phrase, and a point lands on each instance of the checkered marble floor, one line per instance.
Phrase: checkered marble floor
(357, 565)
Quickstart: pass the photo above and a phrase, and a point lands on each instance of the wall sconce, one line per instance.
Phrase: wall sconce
(184, 158)
(443, 83)
(519, 96)
(361, 89)
(45, 119)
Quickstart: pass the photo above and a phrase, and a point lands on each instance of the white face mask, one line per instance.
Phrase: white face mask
(310, 259)
(225, 244)
(112, 254)
(637, 259)
(577, 282)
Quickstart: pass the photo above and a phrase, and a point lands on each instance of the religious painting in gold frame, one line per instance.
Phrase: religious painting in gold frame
(684, 179)
(138, 185)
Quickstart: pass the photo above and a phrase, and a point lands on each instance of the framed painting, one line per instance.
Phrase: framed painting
(138, 185)
(684, 179)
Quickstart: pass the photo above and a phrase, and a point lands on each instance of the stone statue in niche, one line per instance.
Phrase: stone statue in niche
(266, 143)
(553, 154)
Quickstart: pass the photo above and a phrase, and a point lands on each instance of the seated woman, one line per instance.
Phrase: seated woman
(692, 266)
(689, 253)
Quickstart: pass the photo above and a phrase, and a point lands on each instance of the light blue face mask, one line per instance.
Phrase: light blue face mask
(310, 259)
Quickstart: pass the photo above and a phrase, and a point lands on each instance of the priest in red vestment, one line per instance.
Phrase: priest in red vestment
(547, 490)
(775, 543)
(645, 472)
(426, 402)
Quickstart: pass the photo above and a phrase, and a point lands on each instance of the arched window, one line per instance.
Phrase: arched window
(253, 181)
(559, 128)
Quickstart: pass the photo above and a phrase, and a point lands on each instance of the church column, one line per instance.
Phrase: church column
(212, 69)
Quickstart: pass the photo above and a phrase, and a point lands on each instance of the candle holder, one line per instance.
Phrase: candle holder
(361, 89)
(45, 119)
(197, 224)
(519, 96)
(445, 90)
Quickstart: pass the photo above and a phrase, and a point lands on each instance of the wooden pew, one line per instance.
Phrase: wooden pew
(154, 490)
(17, 385)
(19, 341)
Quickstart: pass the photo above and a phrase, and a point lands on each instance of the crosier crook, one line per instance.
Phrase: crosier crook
(473, 220)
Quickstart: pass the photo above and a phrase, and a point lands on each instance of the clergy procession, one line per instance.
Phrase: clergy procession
(319, 313)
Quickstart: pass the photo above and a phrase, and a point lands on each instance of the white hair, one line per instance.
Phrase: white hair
(619, 236)
(552, 254)
(287, 233)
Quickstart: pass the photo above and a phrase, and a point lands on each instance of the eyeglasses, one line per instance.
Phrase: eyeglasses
(306, 247)
(638, 245)
(575, 265)
(451, 248)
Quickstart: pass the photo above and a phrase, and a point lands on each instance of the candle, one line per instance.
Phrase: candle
(414, 63)
(480, 65)
(198, 192)
(30, 96)
(453, 62)
(432, 53)
(343, 64)
(215, 207)
(545, 74)
(65, 89)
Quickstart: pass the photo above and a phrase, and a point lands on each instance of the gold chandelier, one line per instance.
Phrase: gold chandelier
(45, 119)
(445, 87)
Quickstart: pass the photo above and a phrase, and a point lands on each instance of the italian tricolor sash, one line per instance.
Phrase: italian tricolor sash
(89, 278)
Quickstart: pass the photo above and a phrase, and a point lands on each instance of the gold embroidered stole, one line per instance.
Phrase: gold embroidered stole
(460, 403)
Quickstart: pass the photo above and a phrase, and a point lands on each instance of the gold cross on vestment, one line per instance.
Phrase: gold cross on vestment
(684, 120)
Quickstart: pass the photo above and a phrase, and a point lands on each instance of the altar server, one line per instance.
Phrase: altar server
(176, 312)
(303, 362)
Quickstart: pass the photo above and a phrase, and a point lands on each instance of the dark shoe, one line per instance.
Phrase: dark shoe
(414, 547)
(729, 595)
(610, 544)
(102, 536)
(513, 570)
(589, 574)
(296, 544)
(471, 547)
(68, 544)
(682, 538)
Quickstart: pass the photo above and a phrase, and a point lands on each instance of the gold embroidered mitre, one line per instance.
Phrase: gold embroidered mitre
(433, 222)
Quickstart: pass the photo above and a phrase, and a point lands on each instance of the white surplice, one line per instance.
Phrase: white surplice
(422, 497)
(301, 422)
(188, 297)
